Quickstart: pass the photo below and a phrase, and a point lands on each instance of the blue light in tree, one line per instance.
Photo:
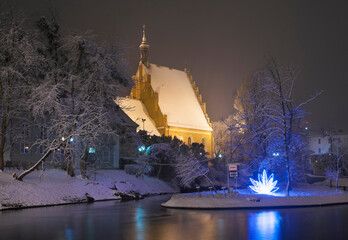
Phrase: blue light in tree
(264, 185)
(141, 148)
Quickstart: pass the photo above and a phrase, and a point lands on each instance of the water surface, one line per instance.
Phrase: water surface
(146, 219)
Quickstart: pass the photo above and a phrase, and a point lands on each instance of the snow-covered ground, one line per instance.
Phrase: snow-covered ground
(303, 195)
(53, 187)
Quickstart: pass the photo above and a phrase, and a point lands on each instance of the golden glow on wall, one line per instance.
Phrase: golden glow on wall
(143, 91)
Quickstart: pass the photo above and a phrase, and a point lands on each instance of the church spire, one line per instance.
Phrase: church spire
(144, 37)
(144, 49)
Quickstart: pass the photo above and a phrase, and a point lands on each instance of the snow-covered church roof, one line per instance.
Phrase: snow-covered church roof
(136, 110)
(177, 98)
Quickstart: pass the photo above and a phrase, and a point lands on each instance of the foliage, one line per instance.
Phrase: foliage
(172, 160)
(161, 156)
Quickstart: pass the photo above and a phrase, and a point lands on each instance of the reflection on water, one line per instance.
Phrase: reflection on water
(139, 223)
(68, 233)
(147, 220)
(264, 225)
(90, 227)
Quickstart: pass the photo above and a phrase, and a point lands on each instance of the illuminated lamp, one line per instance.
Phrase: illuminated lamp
(264, 185)
(141, 148)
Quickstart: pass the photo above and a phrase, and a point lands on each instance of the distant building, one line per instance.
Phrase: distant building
(324, 144)
(165, 101)
(22, 152)
(323, 149)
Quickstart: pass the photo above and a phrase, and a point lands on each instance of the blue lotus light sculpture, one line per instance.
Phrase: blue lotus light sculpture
(264, 185)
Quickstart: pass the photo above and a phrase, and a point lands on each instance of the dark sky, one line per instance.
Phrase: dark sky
(224, 41)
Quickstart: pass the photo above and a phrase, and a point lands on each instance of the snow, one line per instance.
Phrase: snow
(55, 187)
(177, 98)
(306, 195)
(136, 110)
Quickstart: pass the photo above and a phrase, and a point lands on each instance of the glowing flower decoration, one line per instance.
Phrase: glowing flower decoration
(264, 185)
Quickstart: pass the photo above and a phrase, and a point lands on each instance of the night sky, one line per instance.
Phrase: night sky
(221, 42)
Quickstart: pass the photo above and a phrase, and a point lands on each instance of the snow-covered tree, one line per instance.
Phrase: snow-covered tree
(74, 100)
(171, 160)
(188, 168)
(268, 117)
(221, 137)
(18, 68)
(249, 129)
(337, 160)
(284, 114)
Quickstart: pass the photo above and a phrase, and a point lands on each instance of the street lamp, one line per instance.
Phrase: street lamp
(143, 120)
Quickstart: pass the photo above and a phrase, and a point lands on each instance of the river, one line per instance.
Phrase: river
(147, 220)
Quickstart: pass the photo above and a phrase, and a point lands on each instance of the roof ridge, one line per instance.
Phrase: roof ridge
(170, 68)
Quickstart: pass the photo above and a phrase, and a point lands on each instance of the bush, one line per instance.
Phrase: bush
(132, 169)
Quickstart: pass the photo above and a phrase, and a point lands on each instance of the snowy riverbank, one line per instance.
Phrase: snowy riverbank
(304, 196)
(54, 187)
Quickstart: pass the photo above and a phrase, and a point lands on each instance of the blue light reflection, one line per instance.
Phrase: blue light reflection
(264, 225)
(139, 215)
(68, 233)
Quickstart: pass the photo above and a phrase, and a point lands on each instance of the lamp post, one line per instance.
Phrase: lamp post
(143, 120)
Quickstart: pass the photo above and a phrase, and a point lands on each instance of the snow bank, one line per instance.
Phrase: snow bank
(53, 187)
(301, 197)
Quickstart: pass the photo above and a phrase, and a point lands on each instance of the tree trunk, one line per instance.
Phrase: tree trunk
(26, 172)
(337, 167)
(210, 182)
(3, 140)
(288, 174)
(142, 170)
(159, 172)
(83, 162)
(69, 163)
(286, 141)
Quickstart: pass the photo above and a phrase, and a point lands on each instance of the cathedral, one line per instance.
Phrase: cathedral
(166, 101)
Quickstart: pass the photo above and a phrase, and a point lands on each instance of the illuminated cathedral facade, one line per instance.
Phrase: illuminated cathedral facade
(166, 101)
